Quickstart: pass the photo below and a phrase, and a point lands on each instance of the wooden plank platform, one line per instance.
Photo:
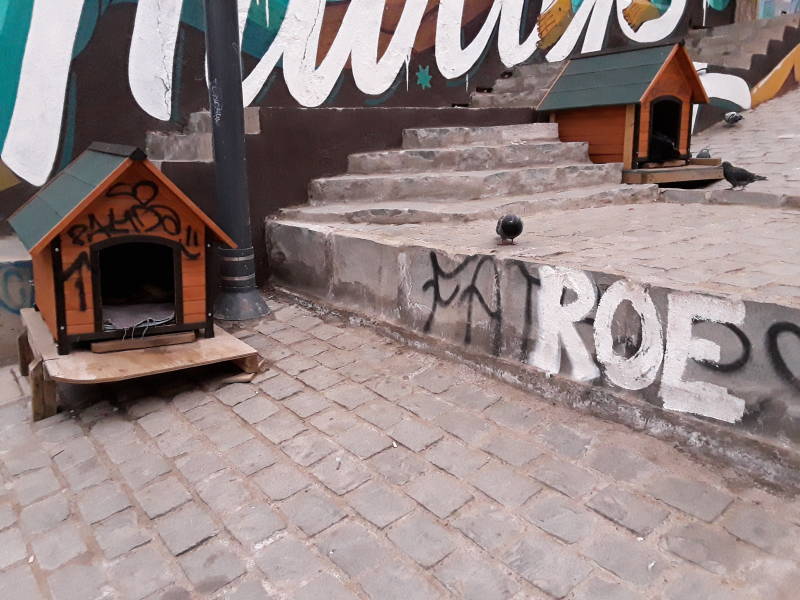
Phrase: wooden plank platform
(85, 367)
(673, 174)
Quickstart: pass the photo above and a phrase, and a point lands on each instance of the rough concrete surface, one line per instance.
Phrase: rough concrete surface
(365, 469)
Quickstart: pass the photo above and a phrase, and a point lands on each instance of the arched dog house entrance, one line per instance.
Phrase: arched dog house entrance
(665, 128)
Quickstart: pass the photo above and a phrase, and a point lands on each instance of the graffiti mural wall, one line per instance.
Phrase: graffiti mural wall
(79, 70)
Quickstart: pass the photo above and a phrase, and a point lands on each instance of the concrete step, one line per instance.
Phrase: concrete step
(523, 84)
(179, 147)
(467, 185)
(200, 122)
(441, 137)
(457, 210)
(518, 99)
(545, 70)
(469, 158)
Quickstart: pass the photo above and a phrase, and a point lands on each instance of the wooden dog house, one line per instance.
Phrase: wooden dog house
(632, 107)
(118, 251)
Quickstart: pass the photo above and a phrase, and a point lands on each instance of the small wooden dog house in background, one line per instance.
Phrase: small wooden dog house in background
(118, 251)
(633, 107)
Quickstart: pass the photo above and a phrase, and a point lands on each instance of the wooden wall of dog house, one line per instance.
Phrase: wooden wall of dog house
(670, 82)
(45, 288)
(602, 126)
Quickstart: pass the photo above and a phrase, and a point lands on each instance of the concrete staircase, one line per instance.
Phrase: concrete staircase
(736, 46)
(522, 87)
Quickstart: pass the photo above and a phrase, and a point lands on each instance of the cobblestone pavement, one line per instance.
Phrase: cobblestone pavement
(766, 142)
(358, 468)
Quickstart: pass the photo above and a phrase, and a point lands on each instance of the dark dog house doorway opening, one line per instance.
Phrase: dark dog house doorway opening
(665, 130)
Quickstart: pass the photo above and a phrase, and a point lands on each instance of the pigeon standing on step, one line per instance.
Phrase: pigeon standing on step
(508, 227)
(704, 153)
(732, 118)
(738, 177)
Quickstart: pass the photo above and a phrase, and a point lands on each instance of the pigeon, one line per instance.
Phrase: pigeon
(704, 153)
(738, 177)
(732, 118)
(508, 227)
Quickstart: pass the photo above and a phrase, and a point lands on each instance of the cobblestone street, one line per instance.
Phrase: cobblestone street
(356, 467)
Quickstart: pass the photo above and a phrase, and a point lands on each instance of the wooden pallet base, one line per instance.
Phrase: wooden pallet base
(673, 174)
(39, 359)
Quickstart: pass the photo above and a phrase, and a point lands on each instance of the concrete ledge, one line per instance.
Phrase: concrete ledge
(729, 197)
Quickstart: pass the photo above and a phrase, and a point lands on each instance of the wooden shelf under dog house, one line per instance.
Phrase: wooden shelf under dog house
(118, 251)
(633, 108)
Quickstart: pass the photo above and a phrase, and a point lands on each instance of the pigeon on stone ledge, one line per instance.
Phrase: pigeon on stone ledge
(704, 153)
(739, 177)
(508, 227)
(732, 118)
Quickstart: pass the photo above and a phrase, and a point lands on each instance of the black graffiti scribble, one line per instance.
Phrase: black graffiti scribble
(774, 351)
(527, 324)
(77, 266)
(734, 365)
(142, 216)
(469, 294)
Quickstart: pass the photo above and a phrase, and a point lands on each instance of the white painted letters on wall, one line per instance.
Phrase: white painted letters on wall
(697, 397)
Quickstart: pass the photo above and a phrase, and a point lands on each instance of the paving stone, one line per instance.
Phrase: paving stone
(162, 496)
(422, 539)
(312, 511)
(211, 566)
(229, 436)
(88, 473)
(141, 573)
(391, 388)
(252, 456)
(503, 484)
(34, 486)
(287, 561)
(627, 558)
(143, 406)
(269, 349)
(281, 387)
(512, 450)
(346, 341)
(179, 441)
(435, 380)
(360, 370)
(255, 409)
(415, 435)
(324, 587)
(488, 526)
(600, 589)
(513, 414)
(306, 404)
(325, 331)
(565, 441)
(159, 422)
(58, 546)
(467, 395)
(250, 590)
(44, 515)
(439, 493)
(353, 548)
(289, 335)
(116, 429)
(296, 364)
(564, 477)
(12, 547)
(553, 568)
(335, 358)
(19, 583)
(192, 399)
(628, 510)
(398, 465)
(224, 491)
(308, 448)
(209, 415)
(380, 413)
(101, 501)
(619, 463)
(363, 440)
(692, 585)
(455, 458)
(281, 427)
(139, 472)
(713, 550)
(464, 425)
(254, 524)
(281, 481)
(320, 378)
(78, 582)
(28, 457)
(334, 420)
(271, 326)
(395, 581)
(7, 516)
(379, 504)
(172, 592)
(472, 578)
(185, 528)
(127, 449)
(311, 348)
(693, 497)
(120, 533)
(306, 322)
(199, 465)
(559, 516)
(752, 524)
(350, 395)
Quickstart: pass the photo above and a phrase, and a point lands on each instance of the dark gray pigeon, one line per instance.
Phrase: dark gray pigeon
(738, 177)
(508, 227)
(732, 118)
(704, 153)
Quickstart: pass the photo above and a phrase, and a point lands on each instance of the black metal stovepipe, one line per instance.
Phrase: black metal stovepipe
(238, 298)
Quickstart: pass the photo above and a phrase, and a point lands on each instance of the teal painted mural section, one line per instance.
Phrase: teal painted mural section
(14, 24)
